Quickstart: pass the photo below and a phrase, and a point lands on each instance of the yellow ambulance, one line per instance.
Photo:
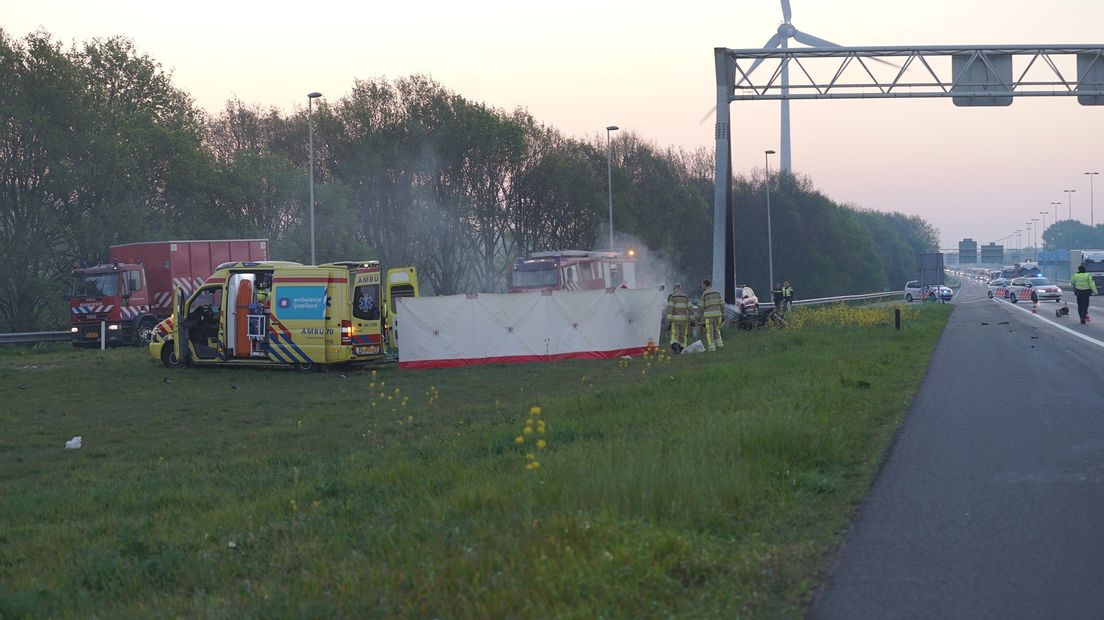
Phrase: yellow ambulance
(284, 313)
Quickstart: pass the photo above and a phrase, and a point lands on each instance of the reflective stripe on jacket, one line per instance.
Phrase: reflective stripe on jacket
(712, 304)
(1083, 281)
(678, 307)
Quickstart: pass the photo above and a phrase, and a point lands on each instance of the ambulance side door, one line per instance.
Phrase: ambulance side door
(401, 282)
(367, 313)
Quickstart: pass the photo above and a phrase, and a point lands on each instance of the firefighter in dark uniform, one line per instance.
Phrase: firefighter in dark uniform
(776, 297)
(678, 316)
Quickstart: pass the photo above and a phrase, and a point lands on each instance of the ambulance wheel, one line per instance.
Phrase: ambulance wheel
(168, 356)
(144, 334)
(306, 366)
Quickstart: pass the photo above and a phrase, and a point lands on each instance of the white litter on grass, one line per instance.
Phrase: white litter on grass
(695, 347)
(73, 443)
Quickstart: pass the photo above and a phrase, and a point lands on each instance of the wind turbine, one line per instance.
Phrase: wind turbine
(781, 38)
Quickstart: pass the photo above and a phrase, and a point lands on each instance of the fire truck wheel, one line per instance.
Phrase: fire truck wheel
(168, 356)
(144, 333)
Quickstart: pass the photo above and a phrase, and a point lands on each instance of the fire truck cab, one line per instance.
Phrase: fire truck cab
(282, 313)
(573, 270)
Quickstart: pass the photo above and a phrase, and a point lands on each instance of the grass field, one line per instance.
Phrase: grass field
(700, 486)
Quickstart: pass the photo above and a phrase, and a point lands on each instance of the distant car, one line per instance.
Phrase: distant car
(998, 288)
(912, 290)
(1034, 289)
(936, 292)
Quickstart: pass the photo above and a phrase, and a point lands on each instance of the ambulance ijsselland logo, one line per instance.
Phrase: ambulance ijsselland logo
(302, 303)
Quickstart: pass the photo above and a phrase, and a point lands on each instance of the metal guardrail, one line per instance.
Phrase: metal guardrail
(33, 337)
(730, 310)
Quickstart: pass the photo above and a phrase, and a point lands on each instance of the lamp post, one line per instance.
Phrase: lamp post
(1057, 213)
(1044, 214)
(1035, 236)
(1092, 223)
(310, 130)
(770, 241)
(1069, 199)
(609, 175)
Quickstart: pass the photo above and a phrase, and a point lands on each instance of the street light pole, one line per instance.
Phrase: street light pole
(1035, 236)
(310, 129)
(1069, 196)
(770, 236)
(1092, 223)
(609, 175)
(1057, 212)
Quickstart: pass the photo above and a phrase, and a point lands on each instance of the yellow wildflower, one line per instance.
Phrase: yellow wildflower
(541, 444)
(519, 439)
(534, 410)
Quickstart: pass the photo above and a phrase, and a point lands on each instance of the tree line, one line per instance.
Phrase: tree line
(99, 147)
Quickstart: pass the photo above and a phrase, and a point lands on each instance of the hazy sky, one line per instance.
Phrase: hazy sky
(648, 67)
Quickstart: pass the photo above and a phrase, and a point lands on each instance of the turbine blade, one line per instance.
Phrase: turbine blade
(786, 13)
(771, 43)
(811, 41)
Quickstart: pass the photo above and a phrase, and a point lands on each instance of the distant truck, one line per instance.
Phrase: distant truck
(1093, 260)
(573, 270)
(134, 292)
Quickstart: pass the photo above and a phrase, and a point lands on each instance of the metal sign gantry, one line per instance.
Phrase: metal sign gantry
(972, 75)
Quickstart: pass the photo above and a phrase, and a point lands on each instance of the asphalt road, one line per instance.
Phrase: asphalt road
(990, 503)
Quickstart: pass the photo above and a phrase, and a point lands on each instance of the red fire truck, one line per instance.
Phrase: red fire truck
(573, 270)
(127, 298)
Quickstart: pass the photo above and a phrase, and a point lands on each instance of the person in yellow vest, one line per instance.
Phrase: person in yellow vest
(678, 316)
(713, 313)
(1083, 286)
(787, 296)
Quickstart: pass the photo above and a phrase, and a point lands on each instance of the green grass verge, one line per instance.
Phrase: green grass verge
(699, 486)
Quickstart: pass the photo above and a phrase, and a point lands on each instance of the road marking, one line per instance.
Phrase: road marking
(1046, 320)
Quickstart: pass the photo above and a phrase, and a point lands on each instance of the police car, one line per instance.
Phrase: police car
(1033, 289)
(998, 288)
(935, 292)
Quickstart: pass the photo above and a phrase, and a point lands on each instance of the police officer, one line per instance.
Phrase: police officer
(678, 316)
(1083, 286)
(787, 296)
(713, 315)
(776, 297)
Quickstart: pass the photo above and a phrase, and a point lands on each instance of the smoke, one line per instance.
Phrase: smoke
(652, 268)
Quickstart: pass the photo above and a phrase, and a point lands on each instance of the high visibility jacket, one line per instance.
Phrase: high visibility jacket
(787, 292)
(712, 303)
(678, 307)
(1083, 282)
